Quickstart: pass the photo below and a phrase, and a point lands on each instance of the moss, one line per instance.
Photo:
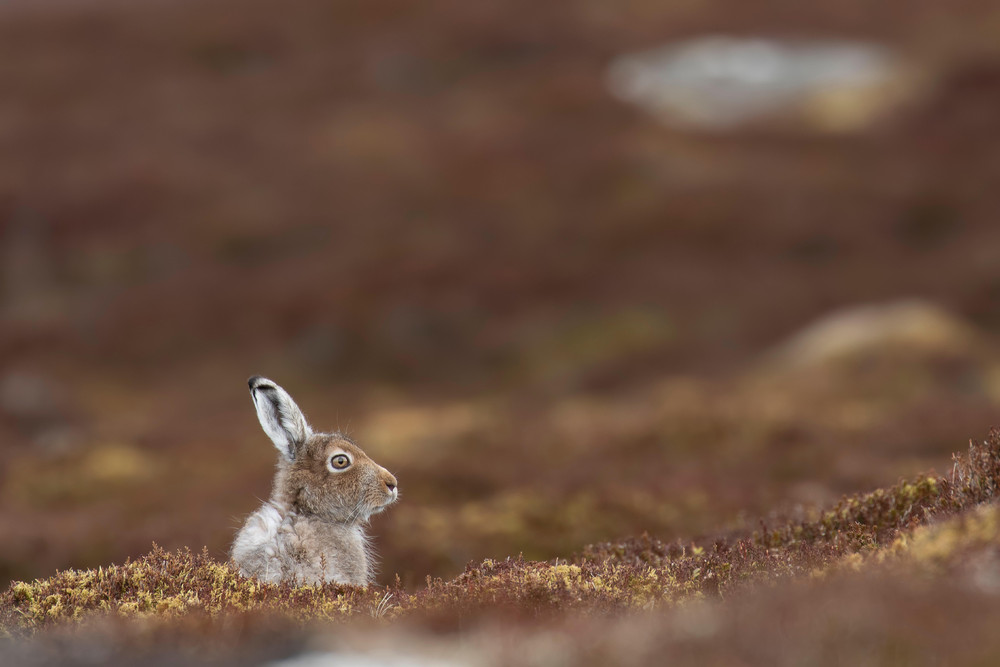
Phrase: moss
(860, 525)
(947, 541)
(543, 587)
(927, 522)
(169, 584)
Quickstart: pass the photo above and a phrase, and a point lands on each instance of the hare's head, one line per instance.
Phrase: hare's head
(319, 473)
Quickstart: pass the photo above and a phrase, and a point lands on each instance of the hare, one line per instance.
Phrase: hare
(325, 489)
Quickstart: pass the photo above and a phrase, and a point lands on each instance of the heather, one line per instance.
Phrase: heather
(927, 527)
(655, 392)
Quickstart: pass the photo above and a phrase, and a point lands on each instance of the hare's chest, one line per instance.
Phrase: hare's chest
(328, 552)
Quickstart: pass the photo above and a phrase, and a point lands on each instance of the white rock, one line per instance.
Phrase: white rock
(721, 82)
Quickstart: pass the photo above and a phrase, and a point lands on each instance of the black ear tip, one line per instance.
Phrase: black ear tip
(255, 381)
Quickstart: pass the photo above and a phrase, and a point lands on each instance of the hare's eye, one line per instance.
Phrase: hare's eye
(339, 462)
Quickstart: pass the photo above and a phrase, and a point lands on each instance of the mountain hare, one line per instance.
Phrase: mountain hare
(312, 528)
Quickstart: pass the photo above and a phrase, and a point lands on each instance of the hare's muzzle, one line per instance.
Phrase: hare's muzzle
(389, 482)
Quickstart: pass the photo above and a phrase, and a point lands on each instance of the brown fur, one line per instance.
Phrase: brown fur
(309, 488)
(312, 527)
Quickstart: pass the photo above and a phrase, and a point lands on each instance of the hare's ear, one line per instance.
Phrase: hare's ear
(280, 418)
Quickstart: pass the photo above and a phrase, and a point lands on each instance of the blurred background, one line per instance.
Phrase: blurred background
(573, 271)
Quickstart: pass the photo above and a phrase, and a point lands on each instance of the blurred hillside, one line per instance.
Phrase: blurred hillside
(558, 320)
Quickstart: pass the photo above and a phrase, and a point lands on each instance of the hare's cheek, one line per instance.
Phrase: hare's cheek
(343, 491)
(363, 477)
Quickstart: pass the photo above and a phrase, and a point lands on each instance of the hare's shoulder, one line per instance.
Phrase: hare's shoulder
(261, 528)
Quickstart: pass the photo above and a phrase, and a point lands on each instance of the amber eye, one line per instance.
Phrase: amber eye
(339, 462)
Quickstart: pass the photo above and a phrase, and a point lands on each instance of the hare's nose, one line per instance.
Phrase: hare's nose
(389, 480)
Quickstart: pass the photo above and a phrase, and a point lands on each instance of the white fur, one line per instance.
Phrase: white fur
(279, 416)
(274, 536)
(308, 531)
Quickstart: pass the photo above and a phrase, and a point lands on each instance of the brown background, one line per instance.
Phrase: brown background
(547, 312)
